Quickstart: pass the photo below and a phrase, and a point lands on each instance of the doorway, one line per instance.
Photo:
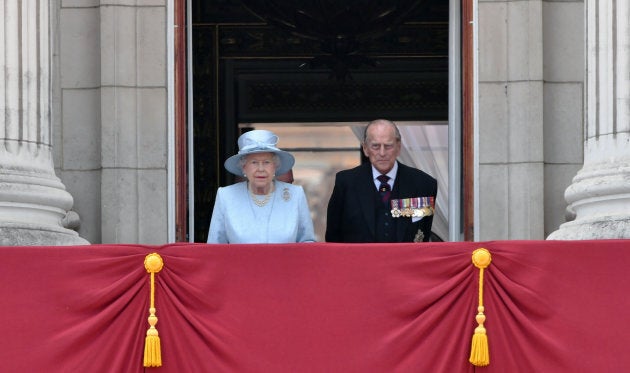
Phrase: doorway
(245, 71)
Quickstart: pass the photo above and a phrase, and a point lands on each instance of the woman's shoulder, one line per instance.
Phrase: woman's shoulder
(281, 185)
(237, 188)
(290, 192)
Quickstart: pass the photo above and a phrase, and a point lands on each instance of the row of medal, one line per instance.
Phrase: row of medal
(417, 207)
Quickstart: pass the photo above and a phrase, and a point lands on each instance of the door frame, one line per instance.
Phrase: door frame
(461, 114)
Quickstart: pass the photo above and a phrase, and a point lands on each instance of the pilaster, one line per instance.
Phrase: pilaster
(599, 196)
(34, 204)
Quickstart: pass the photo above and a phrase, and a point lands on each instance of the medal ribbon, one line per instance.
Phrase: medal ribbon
(412, 207)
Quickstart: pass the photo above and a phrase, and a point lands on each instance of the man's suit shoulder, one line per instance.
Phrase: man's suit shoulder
(352, 172)
(414, 172)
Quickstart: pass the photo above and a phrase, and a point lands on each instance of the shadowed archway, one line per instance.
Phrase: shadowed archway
(248, 69)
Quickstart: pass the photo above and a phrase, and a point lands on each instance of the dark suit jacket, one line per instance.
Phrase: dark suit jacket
(351, 209)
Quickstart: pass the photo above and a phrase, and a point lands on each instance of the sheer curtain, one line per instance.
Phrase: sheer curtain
(425, 147)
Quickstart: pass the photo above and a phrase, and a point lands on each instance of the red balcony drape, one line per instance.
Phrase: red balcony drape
(551, 306)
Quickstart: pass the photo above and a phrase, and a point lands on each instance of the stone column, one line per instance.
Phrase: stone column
(600, 194)
(34, 205)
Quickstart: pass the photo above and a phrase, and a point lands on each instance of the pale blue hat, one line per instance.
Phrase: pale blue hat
(259, 141)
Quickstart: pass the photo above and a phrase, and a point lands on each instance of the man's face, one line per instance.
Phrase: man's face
(381, 147)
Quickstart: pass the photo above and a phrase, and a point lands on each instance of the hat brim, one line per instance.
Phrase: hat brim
(287, 161)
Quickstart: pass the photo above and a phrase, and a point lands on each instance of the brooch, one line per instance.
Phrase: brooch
(286, 195)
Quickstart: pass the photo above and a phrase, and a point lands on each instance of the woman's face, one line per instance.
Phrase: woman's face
(259, 169)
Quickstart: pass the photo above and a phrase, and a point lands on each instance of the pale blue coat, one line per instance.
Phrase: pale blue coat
(285, 218)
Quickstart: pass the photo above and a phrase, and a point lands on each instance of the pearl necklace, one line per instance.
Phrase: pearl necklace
(261, 202)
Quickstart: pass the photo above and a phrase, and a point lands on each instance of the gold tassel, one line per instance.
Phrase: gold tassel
(152, 351)
(479, 354)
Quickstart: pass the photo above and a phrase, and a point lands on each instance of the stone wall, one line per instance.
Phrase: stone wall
(110, 116)
(530, 115)
(563, 69)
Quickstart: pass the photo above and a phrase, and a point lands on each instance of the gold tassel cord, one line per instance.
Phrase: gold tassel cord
(479, 353)
(152, 351)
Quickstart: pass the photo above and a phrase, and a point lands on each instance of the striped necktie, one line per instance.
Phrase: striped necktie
(384, 188)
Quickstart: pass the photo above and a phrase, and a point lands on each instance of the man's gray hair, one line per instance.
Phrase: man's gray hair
(382, 121)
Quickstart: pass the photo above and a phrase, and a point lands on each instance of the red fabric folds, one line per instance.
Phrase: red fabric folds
(551, 306)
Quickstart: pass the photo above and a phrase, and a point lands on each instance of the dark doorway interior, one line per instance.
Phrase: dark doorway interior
(251, 67)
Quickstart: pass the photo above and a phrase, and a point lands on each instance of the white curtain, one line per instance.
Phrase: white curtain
(425, 147)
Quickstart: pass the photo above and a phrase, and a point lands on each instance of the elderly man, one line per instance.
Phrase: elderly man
(384, 200)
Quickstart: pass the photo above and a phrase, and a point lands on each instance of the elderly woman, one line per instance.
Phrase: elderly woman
(260, 209)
